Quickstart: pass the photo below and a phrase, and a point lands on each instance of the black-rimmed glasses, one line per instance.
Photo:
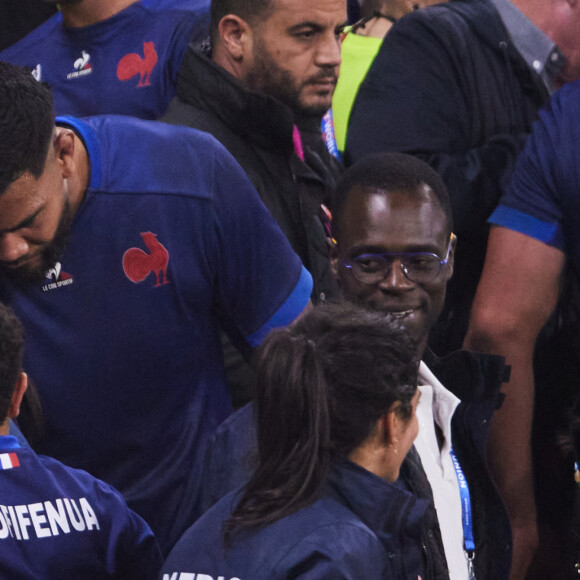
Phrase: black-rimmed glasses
(419, 267)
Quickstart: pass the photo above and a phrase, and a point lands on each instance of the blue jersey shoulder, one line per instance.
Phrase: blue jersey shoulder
(131, 155)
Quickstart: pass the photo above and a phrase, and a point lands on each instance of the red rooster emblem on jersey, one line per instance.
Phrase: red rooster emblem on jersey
(137, 264)
(132, 65)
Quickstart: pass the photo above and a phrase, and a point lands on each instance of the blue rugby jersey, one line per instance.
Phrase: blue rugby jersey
(123, 335)
(57, 522)
(542, 201)
(126, 65)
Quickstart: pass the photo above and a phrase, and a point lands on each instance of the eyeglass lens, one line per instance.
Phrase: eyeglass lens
(419, 268)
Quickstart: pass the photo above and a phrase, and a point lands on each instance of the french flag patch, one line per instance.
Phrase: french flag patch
(9, 460)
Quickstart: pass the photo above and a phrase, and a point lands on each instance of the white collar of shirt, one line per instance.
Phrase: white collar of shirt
(437, 404)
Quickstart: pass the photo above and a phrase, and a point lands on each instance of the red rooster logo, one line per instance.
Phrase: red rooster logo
(132, 65)
(137, 264)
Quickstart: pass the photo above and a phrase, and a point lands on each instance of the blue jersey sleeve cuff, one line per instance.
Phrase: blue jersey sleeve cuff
(513, 219)
(293, 306)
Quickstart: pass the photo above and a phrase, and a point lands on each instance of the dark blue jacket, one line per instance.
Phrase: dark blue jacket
(476, 380)
(61, 523)
(360, 528)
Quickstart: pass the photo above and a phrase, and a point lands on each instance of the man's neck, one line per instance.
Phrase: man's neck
(224, 59)
(422, 347)
(90, 12)
(539, 12)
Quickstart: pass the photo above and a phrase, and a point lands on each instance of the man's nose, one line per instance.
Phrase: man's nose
(396, 278)
(328, 53)
(12, 247)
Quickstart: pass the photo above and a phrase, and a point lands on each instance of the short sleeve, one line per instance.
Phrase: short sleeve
(546, 174)
(261, 282)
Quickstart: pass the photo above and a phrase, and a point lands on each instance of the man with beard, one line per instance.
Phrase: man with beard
(394, 252)
(123, 333)
(112, 56)
(262, 92)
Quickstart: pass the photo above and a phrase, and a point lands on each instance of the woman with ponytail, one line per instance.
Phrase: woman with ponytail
(335, 414)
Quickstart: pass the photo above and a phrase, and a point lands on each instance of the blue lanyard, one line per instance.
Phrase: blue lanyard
(327, 126)
(466, 519)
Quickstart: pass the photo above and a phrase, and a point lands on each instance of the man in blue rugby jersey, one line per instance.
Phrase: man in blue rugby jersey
(124, 246)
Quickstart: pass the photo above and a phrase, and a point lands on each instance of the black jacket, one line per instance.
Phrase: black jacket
(257, 130)
(449, 87)
(360, 528)
(476, 380)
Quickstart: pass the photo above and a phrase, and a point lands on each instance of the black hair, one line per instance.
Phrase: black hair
(248, 10)
(390, 172)
(26, 124)
(11, 353)
(321, 386)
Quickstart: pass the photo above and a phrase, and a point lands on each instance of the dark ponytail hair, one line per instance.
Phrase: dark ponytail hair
(321, 386)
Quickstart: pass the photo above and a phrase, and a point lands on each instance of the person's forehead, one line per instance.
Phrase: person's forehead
(394, 218)
(21, 199)
(321, 12)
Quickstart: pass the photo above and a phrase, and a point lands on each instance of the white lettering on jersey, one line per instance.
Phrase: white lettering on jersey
(193, 576)
(50, 518)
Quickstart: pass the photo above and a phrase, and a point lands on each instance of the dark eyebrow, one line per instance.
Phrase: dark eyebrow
(27, 221)
(306, 24)
(316, 26)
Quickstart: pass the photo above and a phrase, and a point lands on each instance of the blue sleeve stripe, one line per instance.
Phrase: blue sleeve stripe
(549, 233)
(91, 143)
(293, 306)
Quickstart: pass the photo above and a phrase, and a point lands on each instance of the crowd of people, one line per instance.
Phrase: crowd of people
(255, 327)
